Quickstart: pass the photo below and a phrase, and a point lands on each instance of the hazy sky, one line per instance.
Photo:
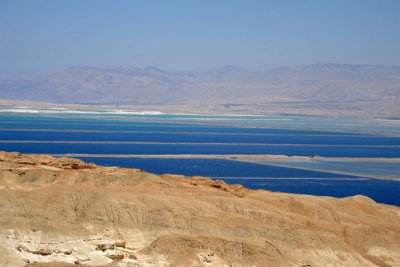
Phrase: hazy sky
(190, 34)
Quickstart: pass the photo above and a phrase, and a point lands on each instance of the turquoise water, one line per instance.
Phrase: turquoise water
(308, 123)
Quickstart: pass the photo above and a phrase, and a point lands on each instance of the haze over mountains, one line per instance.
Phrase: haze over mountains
(322, 89)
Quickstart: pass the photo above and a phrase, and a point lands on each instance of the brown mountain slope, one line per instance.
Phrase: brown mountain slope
(321, 89)
(64, 210)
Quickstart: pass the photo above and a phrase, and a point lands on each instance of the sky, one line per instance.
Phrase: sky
(41, 36)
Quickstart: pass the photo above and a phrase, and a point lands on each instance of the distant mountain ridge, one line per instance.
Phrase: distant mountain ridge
(311, 89)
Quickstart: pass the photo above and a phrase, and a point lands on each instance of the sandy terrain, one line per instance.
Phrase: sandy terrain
(65, 210)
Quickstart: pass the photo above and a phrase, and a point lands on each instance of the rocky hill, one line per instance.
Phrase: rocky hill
(67, 211)
(324, 89)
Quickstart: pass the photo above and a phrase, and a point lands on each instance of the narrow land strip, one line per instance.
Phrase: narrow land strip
(292, 178)
(336, 171)
(262, 157)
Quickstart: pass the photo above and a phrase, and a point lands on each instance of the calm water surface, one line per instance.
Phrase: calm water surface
(219, 135)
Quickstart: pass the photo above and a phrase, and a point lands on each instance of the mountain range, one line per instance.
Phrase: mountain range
(321, 89)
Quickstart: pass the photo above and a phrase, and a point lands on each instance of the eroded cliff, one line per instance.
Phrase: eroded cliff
(65, 210)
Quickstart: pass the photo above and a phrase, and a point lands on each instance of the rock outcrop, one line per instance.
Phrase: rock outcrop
(61, 212)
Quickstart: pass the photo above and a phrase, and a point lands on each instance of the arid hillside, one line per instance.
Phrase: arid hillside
(65, 210)
(319, 89)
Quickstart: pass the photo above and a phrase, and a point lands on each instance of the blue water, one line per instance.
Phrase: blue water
(194, 135)
(215, 168)
(381, 191)
(158, 149)
(235, 172)
(203, 135)
(153, 126)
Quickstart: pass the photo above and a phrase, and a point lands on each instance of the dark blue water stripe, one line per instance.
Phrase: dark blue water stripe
(325, 151)
(211, 167)
(195, 137)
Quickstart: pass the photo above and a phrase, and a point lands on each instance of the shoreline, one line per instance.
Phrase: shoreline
(255, 159)
(228, 157)
(194, 109)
